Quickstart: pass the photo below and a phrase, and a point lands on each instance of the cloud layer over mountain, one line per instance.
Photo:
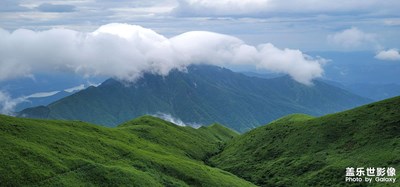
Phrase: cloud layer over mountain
(127, 51)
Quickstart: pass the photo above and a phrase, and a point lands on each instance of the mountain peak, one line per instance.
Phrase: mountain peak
(202, 95)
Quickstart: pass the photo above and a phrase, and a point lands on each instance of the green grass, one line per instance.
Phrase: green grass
(143, 152)
(300, 150)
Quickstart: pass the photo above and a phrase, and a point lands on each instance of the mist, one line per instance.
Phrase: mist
(8, 104)
(174, 120)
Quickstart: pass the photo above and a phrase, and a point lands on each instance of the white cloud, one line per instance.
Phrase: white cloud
(168, 117)
(76, 88)
(392, 22)
(351, 38)
(93, 84)
(8, 104)
(42, 94)
(127, 51)
(391, 54)
(176, 121)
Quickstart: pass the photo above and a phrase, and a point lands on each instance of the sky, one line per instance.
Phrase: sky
(307, 25)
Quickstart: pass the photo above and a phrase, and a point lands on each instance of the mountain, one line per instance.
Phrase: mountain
(296, 150)
(41, 101)
(143, 152)
(300, 150)
(375, 91)
(358, 67)
(202, 95)
(45, 82)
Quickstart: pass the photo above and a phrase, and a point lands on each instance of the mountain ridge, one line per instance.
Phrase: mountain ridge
(145, 152)
(299, 150)
(203, 94)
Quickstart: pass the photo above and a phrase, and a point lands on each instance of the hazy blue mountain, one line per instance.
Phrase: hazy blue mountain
(202, 95)
(374, 91)
(358, 67)
(266, 75)
(358, 72)
(45, 82)
(39, 101)
(41, 89)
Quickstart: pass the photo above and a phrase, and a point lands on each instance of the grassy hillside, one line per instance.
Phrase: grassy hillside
(299, 150)
(143, 152)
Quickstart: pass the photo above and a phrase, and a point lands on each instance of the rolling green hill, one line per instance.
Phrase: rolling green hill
(296, 150)
(202, 95)
(299, 150)
(143, 152)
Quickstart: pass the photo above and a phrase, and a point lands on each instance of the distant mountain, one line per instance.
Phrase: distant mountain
(262, 75)
(299, 150)
(41, 101)
(358, 67)
(45, 82)
(25, 92)
(143, 152)
(202, 95)
(375, 91)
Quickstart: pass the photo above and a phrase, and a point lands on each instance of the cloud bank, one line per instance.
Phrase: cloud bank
(127, 51)
(76, 88)
(351, 38)
(391, 54)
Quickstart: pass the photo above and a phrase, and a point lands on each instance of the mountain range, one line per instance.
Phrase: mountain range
(202, 95)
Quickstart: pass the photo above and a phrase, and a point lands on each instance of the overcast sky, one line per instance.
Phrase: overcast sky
(307, 25)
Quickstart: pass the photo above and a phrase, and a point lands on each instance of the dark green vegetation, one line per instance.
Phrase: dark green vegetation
(299, 150)
(205, 95)
(144, 152)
